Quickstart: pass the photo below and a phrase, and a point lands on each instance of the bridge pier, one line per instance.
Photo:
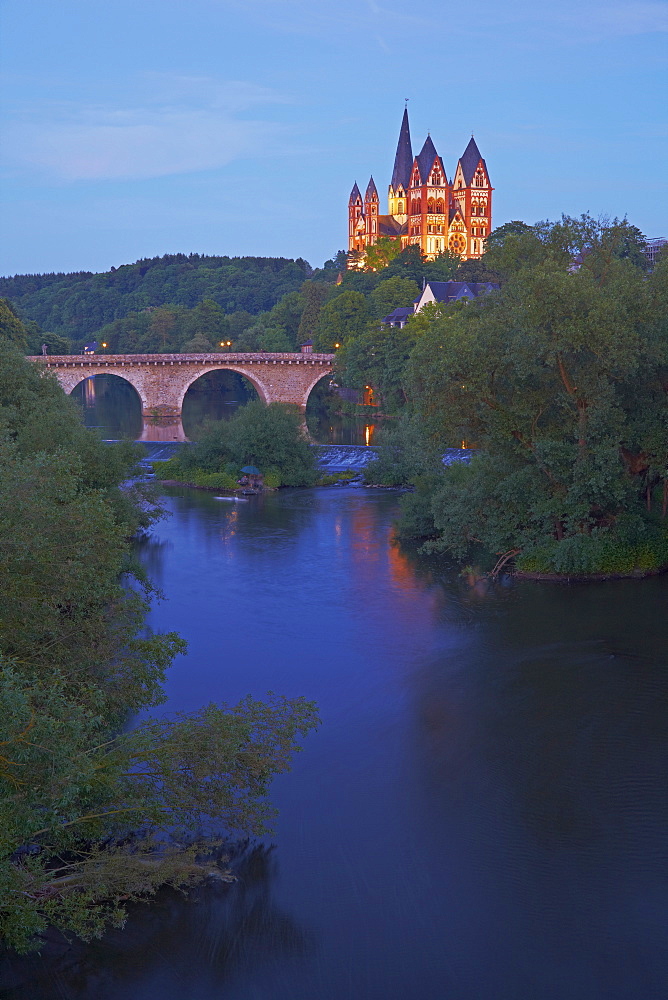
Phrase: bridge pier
(162, 429)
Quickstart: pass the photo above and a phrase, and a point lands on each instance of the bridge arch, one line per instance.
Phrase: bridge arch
(86, 375)
(70, 379)
(257, 383)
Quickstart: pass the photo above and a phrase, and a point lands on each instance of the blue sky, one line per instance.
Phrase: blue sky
(140, 127)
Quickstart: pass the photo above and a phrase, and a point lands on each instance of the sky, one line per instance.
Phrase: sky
(135, 128)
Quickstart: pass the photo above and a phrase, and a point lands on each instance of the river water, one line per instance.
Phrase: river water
(482, 814)
(112, 405)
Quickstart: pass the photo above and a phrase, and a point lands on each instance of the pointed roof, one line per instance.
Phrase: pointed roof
(403, 160)
(470, 160)
(354, 195)
(371, 190)
(425, 159)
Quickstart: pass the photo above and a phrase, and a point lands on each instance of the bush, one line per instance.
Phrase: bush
(268, 436)
(272, 479)
(602, 553)
(215, 480)
(331, 478)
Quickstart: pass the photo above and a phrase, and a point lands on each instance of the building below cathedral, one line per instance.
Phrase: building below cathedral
(424, 207)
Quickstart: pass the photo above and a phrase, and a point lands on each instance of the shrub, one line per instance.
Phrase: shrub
(602, 553)
(214, 480)
(272, 479)
(270, 437)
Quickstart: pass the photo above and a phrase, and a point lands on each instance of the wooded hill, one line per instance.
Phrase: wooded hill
(76, 305)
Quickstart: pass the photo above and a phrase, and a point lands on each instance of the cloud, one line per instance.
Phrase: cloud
(181, 124)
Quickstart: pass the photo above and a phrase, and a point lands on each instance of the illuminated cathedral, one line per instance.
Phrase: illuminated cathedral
(424, 207)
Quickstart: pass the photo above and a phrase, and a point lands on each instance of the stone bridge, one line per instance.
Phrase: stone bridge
(162, 380)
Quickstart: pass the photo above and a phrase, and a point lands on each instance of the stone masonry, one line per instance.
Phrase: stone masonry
(162, 380)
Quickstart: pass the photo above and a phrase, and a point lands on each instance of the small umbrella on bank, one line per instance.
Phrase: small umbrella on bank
(253, 475)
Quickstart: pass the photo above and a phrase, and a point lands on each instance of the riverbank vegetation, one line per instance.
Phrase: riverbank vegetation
(269, 437)
(98, 810)
(560, 381)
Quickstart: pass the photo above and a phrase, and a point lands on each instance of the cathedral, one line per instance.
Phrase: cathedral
(424, 207)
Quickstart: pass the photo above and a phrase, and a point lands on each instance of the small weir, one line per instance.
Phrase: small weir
(331, 458)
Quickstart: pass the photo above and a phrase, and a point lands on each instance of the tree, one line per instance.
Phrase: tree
(378, 255)
(208, 320)
(342, 317)
(378, 357)
(391, 294)
(11, 327)
(315, 295)
(198, 345)
(268, 436)
(93, 815)
(551, 379)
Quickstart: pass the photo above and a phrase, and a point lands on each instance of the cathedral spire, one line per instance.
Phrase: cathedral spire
(403, 161)
(470, 160)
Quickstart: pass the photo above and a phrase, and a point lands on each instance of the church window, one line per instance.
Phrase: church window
(430, 206)
(400, 208)
(474, 209)
(440, 206)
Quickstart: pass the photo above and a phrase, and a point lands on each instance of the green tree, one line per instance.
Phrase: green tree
(391, 294)
(93, 816)
(208, 320)
(378, 357)
(551, 379)
(271, 437)
(378, 255)
(315, 295)
(199, 344)
(342, 317)
(11, 327)
(286, 315)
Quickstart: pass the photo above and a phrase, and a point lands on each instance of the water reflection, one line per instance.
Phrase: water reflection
(177, 947)
(111, 404)
(483, 811)
(216, 395)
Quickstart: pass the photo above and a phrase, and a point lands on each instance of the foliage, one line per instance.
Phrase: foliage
(344, 316)
(315, 295)
(402, 458)
(173, 469)
(11, 327)
(77, 305)
(332, 478)
(561, 381)
(270, 437)
(382, 253)
(391, 294)
(94, 814)
(378, 357)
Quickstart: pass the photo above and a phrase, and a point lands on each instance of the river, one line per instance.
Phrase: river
(482, 814)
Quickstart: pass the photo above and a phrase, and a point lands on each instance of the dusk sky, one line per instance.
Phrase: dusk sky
(135, 128)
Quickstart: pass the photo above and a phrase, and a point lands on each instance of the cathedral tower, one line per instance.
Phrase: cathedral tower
(424, 208)
(472, 194)
(397, 195)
